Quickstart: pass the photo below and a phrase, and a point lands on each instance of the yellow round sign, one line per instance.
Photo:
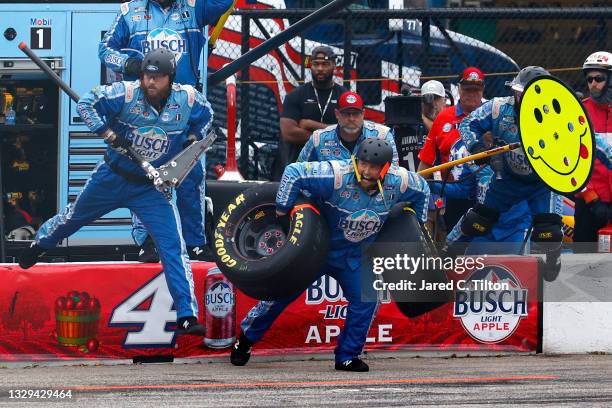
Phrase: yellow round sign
(556, 135)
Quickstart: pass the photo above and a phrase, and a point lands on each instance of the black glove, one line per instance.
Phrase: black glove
(132, 67)
(478, 149)
(599, 210)
(116, 141)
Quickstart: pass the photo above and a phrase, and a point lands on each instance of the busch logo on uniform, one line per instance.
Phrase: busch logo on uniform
(165, 38)
(150, 142)
(360, 225)
(490, 316)
(219, 299)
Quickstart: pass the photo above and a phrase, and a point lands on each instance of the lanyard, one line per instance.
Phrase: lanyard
(323, 110)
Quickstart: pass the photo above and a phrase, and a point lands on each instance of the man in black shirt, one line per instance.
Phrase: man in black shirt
(310, 106)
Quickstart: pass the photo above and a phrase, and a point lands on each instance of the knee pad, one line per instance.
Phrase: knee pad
(547, 233)
(478, 221)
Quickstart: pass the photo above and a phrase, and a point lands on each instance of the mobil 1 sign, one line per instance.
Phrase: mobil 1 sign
(40, 33)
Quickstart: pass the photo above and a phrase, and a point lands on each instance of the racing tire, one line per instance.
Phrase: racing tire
(403, 234)
(265, 256)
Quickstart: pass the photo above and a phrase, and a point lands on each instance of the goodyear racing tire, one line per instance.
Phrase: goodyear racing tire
(403, 234)
(265, 256)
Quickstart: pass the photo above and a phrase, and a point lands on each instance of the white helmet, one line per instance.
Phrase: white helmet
(433, 88)
(600, 60)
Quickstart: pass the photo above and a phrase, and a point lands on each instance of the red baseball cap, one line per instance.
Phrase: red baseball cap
(350, 100)
(472, 75)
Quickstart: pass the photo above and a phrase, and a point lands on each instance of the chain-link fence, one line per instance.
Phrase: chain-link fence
(382, 50)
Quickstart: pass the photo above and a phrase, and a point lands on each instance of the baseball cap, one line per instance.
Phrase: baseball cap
(433, 88)
(350, 100)
(472, 75)
(328, 53)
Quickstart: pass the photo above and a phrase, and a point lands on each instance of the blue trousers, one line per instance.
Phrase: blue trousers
(190, 201)
(106, 191)
(359, 314)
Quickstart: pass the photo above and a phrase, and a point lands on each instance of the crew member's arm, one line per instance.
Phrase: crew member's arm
(416, 191)
(311, 125)
(201, 116)
(291, 132)
(603, 150)
(208, 12)
(315, 177)
(100, 105)
(116, 38)
(309, 151)
(473, 127)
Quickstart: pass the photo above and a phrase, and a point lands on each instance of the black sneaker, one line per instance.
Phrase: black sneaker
(354, 364)
(199, 253)
(189, 325)
(241, 352)
(148, 252)
(30, 255)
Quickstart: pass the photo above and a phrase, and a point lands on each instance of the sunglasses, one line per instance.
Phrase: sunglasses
(599, 79)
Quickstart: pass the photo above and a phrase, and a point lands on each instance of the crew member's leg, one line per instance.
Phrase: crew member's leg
(190, 200)
(101, 194)
(361, 311)
(161, 219)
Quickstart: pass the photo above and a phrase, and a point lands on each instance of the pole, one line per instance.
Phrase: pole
(481, 155)
(276, 41)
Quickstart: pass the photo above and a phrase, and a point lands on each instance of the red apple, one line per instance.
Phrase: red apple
(70, 304)
(85, 296)
(80, 305)
(92, 344)
(60, 303)
(93, 303)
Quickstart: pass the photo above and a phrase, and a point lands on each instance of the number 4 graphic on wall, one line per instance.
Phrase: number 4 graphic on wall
(40, 38)
(151, 309)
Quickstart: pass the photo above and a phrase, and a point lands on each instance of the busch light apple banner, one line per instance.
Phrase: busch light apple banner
(124, 310)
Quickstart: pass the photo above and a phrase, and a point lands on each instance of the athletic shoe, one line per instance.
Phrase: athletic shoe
(241, 352)
(189, 325)
(354, 364)
(30, 255)
(148, 252)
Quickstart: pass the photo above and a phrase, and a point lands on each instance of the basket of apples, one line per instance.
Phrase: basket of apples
(77, 316)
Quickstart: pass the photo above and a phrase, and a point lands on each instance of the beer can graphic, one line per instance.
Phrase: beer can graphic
(219, 311)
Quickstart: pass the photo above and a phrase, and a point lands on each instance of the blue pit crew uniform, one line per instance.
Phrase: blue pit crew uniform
(119, 182)
(519, 182)
(144, 25)
(325, 144)
(355, 217)
(473, 182)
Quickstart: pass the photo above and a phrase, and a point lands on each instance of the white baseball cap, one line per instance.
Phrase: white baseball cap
(433, 87)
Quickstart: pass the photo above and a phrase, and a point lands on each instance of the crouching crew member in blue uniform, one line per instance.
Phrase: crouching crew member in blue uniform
(138, 114)
(347, 189)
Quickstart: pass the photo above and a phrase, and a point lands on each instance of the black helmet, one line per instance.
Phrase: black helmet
(524, 76)
(159, 61)
(375, 151)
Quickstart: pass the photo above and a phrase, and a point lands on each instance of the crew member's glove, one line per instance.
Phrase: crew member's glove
(116, 141)
(599, 210)
(478, 149)
(132, 67)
